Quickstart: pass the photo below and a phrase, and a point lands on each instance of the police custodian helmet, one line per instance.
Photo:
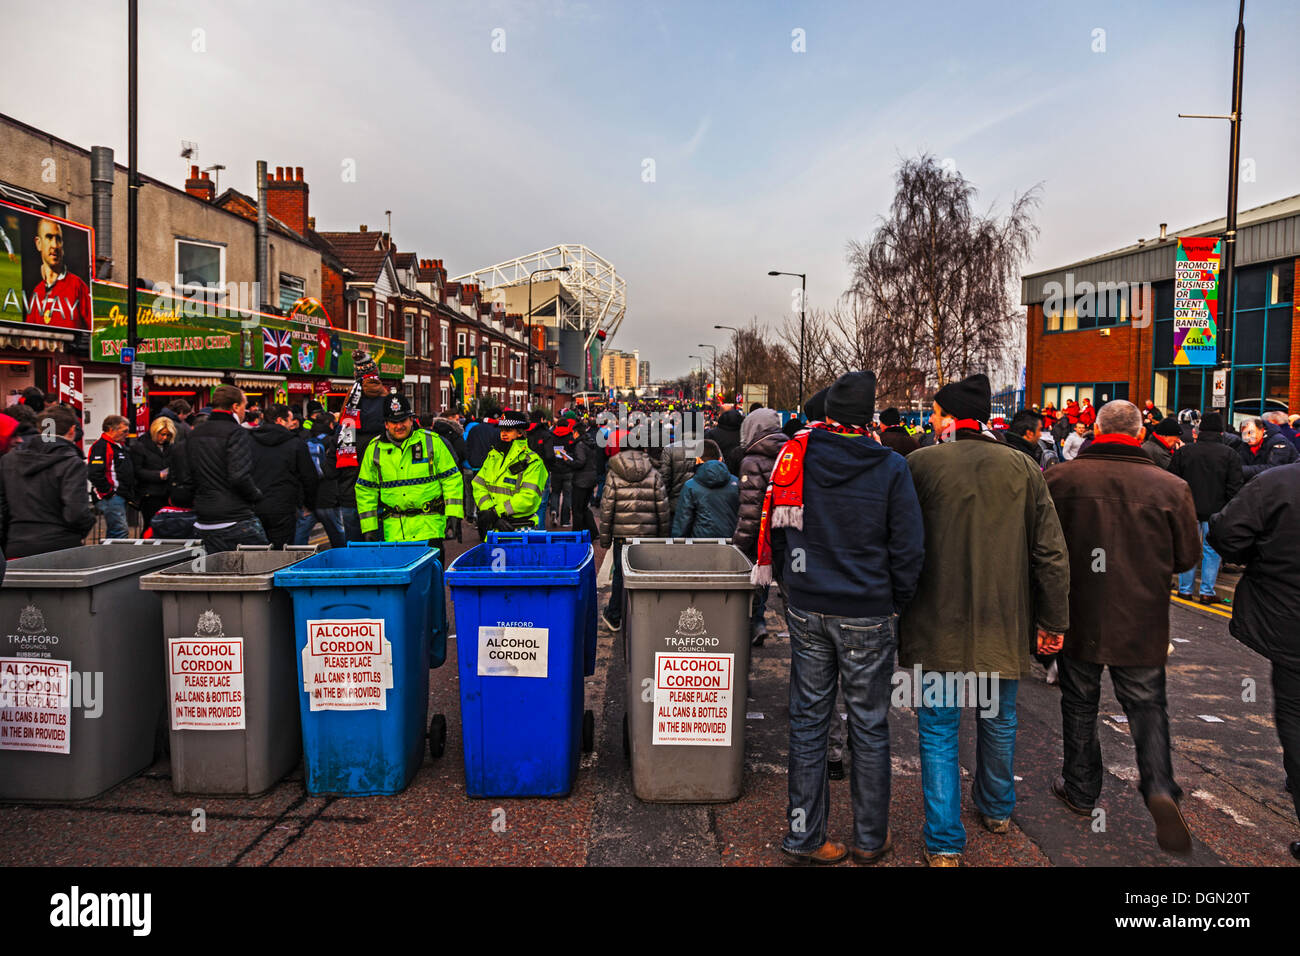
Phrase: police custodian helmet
(397, 408)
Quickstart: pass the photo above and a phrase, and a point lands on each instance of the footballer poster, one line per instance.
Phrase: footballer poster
(46, 267)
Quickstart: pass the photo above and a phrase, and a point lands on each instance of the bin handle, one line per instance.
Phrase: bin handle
(679, 540)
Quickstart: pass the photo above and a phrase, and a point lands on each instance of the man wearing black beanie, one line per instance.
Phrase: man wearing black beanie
(895, 436)
(1163, 439)
(847, 548)
(1214, 472)
(996, 573)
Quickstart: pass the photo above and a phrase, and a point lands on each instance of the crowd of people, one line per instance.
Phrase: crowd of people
(962, 550)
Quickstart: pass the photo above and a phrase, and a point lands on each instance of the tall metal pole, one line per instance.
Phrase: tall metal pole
(132, 190)
(1230, 232)
(528, 378)
(803, 305)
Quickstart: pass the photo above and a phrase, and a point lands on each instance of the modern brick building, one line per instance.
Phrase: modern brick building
(1103, 327)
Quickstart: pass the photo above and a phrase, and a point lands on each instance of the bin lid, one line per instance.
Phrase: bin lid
(685, 564)
(95, 564)
(242, 570)
(509, 562)
(360, 563)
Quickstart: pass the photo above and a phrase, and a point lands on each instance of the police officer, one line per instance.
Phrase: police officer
(508, 488)
(408, 488)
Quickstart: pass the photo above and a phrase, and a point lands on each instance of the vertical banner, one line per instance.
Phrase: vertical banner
(1196, 301)
(72, 386)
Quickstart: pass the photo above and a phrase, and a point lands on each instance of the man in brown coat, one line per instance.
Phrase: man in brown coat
(1129, 525)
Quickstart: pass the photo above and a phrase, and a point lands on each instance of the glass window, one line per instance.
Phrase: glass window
(1067, 392)
(1052, 317)
(363, 316)
(1277, 383)
(292, 288)
(444, 346)
(1281, 284)
(1278, 347)
(1248, 389)
(460, 344)
(1085, 391)
(200, 267)
(1163, 348)
(1070, 321)
(1188, 391)
(1248, 332)
(1161, 390)
(1250, 287)
(379, 319)
(1050, 396)
(410, 333)
(1164, 296)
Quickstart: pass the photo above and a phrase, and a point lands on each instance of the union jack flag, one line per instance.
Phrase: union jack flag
(277, 351)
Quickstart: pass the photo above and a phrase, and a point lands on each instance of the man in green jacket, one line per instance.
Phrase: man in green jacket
(408, 487)
(508, 488)
(995, 583)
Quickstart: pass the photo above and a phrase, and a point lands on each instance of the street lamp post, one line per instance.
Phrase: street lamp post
(737, 331)
(528, 398)
(705, 345)
(803, 303)
(701, 373)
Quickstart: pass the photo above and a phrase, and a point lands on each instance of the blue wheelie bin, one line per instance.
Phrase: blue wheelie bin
(368, 625)
(526, 623)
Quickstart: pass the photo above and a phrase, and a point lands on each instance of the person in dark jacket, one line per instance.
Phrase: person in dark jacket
(1119, 508)
(151, 459)
(894, 435)
(634, 504)
(677, 465)
(762, 439)
(178, 411)
(1259, 529)
(43, 502)
(449, 429)
(587, 459)
(1263, 447)
(1024, 434)
(26, 430)
(561, 471)
(709, 501)
(1213, 471)
(849, 544)
(321, 441)
(214, 475)
(727, 432)
(112, 476)
(283, 470)
(1163, 439)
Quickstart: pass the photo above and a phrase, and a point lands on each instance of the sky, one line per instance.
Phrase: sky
(496, 128)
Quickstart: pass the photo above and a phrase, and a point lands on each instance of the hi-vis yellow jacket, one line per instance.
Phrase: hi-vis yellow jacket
(511, 484)
(412, 488)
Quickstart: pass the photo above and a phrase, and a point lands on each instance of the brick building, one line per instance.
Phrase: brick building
(1103, 327)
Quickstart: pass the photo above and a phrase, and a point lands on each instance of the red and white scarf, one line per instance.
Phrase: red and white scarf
(783, 500)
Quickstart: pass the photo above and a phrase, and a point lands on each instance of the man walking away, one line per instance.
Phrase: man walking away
(634, 504)
(894, 435)
(1128, 525)
(322, 447)
(43, 503)
(709, 501)
(283, 470)
(763, 440)
(677, 465)
(727, 432)
(587, 458)
(1214, 473)
(842, 522)
(112, 476)
(1259, 528)
(996, 571)
(214, 474)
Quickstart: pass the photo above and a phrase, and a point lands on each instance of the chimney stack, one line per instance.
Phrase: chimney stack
(200, 186)
(286, 198)
(1163, 226)
(362, 227)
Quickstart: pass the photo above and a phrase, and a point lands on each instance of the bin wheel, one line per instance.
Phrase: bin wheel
(627, 741)
(588, 731)
(437, 736)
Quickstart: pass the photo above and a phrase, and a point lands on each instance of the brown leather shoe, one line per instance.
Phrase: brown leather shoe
(994, 825)
(1058, 788)
(828, 854)
(1171, 829)
(868, 857)
(941, 859)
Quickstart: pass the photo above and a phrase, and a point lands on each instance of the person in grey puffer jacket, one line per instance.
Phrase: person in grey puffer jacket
(678, 465)
(762, 439)
(634, 504)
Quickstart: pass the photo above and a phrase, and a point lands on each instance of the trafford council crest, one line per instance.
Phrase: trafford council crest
(31, 620)
(210, 625)
(691, 623)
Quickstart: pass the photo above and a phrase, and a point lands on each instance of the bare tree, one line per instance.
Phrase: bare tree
(936, 282)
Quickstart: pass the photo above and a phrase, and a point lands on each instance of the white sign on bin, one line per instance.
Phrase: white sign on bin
(347, 664)
(35, 704)
(513, 651)
(693, 699)
(206, 680)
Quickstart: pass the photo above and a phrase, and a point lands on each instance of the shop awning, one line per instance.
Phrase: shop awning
(257, 381)
(342, 382)
(35, 340)
(184, 376)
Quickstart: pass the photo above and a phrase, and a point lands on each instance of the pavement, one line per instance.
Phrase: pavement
(1226, 758)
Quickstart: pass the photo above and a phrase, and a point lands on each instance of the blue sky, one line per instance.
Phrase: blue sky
(764, 157)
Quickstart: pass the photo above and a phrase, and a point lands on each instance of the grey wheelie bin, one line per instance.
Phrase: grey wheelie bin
(686, 645)
(230, 675)
(80, 676)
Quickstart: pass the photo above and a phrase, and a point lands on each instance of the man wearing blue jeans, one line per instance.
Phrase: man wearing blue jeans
(1213, 471)
(996, 573)
(841, 524)
(111, 474)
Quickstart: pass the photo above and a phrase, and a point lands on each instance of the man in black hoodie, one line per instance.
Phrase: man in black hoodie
(283, 470)
(727, 435)
(214, 474)
(43, 502)
(1213, 470)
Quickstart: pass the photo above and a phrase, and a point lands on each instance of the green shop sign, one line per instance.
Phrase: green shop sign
(190, 333)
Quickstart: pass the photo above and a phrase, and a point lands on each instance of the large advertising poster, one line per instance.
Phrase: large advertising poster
(46, 268)
(1196, 301)
(189, 333)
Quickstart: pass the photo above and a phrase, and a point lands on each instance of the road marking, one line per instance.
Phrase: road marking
(1210, 718)
(1222, 807)
(1181, 640)
(753, 715)
(1208, 608)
